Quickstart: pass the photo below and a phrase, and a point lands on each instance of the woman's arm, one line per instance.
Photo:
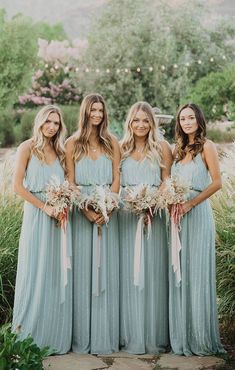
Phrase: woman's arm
(167, 160)
(211, 159)
(70, 165)
(116, 166)
(22, 159)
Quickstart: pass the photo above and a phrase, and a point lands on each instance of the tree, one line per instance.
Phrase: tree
(215, 93)
(17, 57)
(171, 48)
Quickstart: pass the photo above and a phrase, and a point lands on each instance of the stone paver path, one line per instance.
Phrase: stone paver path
(125, 361)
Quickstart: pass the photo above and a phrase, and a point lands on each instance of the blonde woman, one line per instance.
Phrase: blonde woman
(144, 307)
(39, 309)
(93, 157)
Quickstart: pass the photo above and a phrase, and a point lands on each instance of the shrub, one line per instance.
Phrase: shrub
(224, 210)
(20, 355)
(219, 136)
(7, 137)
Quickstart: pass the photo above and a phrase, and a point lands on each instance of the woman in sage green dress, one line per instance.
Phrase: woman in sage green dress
(92, 156)
(193, 310)
(43, 303)
(144, 304)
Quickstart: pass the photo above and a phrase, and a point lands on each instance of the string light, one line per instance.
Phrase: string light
(53, 68)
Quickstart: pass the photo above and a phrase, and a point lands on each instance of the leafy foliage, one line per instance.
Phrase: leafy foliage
(152, 36)
(215, 93)
(21, 355)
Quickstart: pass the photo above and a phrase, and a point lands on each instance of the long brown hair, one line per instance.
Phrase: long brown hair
(82, 135)
(182, 139)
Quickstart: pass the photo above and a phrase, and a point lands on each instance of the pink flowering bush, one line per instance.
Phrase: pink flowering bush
(52, 82)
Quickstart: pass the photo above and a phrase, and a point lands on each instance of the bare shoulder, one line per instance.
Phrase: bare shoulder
(209, 147)
(25, 147)
(165, 146)
(70, 142)
(115, 142)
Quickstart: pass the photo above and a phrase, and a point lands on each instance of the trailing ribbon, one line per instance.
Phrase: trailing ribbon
(65, 254)
(97, 285)
(139, 254)
(175, 242)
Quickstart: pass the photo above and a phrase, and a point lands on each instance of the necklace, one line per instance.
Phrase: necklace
(93, 149)
(140, 149)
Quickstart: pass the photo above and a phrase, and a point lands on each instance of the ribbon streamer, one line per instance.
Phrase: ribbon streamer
(138, 254)
(97, 236)
(175, 244)
(65, 260)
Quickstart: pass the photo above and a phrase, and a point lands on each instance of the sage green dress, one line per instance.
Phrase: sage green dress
(143, 307)
(193, 309)
(43, 304)
(96, 289)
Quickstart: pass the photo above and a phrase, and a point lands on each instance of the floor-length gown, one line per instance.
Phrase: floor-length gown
(96, 289)
(193, 310)
(143, 308)
(43, 303)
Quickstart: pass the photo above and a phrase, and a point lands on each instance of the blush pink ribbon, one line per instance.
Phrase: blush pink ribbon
(175, 242)
(138, 254)
(65, 261)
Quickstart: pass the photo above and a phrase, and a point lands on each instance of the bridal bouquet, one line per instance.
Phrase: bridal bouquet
(101, 200)
(140, 199)
(61, 197)
(174, 193)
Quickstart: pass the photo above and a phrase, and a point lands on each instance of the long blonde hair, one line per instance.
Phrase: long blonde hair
(82, 135)
(152, 148)
(38, 139)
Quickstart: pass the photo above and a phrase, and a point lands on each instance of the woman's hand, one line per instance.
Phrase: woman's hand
(91, 215)
(49, 210)
(186, 207)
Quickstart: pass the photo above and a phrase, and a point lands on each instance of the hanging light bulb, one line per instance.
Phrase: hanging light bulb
(107, 70)
(199, 61)
(97, 70)
(126, 70)
(163, 68)
(211, 59)
(118, 70)
(138, 69)
(87, 70)
(175, 66)
(150, 69)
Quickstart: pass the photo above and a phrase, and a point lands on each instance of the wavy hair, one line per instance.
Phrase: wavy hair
(182, 139)
(82, 135)
(38, 139)
(152, 148)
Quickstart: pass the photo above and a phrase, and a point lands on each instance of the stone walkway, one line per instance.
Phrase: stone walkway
(124, 361)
